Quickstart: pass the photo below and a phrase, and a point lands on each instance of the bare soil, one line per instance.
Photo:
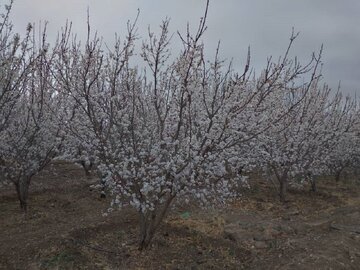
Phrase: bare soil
(66, 229)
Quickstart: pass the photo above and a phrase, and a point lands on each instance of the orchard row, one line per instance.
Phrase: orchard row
(181, 128)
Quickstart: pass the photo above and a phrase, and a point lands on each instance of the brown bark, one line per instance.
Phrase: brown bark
(282, 178)
(313, 185)
(338, 174)
(283, 189)
(22, 190)
(150, 221)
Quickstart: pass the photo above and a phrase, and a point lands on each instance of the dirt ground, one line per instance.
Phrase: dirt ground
(66, 229)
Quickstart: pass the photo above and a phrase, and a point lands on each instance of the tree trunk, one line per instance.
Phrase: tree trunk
(283, 189)
(103, 189)
(313, 185)
(22, 190)
(150, 221)
(283, 181)
(147, 230)
(87, 172)
(87, 168)
(338, 174)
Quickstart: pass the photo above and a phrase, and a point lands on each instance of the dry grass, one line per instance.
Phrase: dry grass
(65, 229)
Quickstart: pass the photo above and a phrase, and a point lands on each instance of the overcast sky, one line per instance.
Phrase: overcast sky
(265, 25)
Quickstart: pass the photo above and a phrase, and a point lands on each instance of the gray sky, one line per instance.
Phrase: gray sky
(265, 25)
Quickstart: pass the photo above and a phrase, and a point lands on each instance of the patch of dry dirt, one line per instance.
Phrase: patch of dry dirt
(65, 229)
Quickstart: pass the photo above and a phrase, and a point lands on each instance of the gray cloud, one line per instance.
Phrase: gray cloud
(264, 25)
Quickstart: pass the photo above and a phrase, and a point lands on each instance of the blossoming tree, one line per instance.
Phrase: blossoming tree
(301, 142)
(29, 131)
(183, 128)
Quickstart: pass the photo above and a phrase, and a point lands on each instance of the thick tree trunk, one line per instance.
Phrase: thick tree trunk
(147, 230)
(150, 221)
(22, 190)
